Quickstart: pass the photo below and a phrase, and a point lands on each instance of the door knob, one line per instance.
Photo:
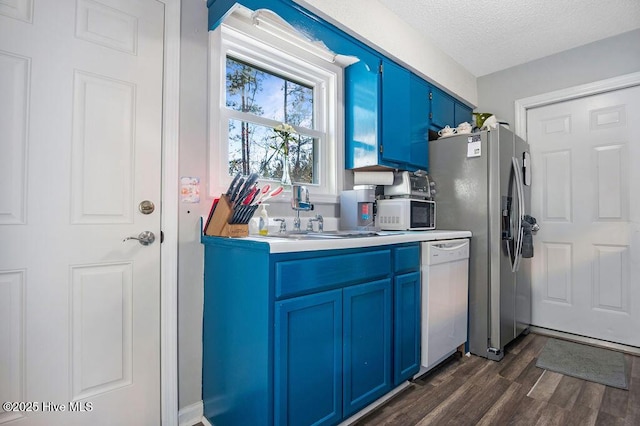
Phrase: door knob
(145, 238)
(146, 207)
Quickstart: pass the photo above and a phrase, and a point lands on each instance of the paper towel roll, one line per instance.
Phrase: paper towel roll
(372, 178)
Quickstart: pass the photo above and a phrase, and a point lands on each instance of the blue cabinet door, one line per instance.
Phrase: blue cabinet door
(395, 114)
(462, 113)
(308, 360)
(406, 333)
(362, 111)
(420, 109)
(446, 111)
(442, 109)
(367, 344)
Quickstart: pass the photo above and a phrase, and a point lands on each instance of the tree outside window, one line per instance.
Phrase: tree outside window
(255, 147)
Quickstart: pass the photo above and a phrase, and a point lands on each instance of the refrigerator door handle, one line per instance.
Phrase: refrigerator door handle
(519, 231)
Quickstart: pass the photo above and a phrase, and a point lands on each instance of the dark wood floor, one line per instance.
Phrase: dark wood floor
(476, 391)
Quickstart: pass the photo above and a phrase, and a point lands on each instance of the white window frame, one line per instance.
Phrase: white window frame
(239, 38)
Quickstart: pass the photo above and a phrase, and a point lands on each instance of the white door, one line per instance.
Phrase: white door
(80, 148)
(586, 198)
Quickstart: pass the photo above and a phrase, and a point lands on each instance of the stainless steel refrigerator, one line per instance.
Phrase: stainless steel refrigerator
(482, 182)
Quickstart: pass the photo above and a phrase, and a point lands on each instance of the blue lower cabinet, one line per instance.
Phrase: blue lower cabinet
(367, 344)
(305, 338)
(406, 322)
(308, 360)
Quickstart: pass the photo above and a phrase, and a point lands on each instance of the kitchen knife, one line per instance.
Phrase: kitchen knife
(236, 190)
(261, 194)
(251, 195)
(273, 193)
(233, 183)
(246, 188)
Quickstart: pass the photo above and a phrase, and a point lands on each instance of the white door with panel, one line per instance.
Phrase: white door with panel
(586, 198)
(80, 149)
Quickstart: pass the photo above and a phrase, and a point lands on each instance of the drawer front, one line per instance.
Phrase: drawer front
(406, 258)
(295, 277)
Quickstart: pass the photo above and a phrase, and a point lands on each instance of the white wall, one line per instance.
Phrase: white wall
(193, 138)
(596, 61)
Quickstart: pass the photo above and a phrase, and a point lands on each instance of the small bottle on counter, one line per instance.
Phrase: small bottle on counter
(263, 224)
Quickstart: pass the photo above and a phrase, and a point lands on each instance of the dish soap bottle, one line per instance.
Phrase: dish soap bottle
(263, 224)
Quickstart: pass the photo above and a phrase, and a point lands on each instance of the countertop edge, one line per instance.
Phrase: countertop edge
(276, 245)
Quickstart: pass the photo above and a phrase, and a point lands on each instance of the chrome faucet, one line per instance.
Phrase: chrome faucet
(299, 201)
(318, 218)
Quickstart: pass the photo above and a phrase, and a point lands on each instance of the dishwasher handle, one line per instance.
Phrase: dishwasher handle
(434, 253)
(445, 246)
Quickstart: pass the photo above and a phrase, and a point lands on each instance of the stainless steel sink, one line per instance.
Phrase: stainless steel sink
(304, 235)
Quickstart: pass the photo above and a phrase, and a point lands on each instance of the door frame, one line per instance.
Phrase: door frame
(593, 88)
(521, 106)
(169, 215)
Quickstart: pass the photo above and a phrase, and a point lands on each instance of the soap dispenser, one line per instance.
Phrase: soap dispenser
(263, 224)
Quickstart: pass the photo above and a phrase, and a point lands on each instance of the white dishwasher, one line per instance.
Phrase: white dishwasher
(445, 292)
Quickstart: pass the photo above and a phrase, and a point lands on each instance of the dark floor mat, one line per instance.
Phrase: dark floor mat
(585, 362)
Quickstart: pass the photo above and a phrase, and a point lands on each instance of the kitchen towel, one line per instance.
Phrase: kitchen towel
(373, 178)
(585, 362)
(527, 238)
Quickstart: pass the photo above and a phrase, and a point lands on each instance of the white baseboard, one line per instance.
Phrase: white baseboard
(375, 404)
(191, 415)
(633, 350)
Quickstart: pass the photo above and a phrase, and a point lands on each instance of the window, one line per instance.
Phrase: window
(261, 149)
(259, 84)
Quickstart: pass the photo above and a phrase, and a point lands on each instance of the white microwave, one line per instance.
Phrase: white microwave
(405, 214)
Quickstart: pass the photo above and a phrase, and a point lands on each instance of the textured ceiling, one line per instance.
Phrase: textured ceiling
(486, 36)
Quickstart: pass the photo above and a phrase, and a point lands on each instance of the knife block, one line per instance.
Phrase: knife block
(218, 224)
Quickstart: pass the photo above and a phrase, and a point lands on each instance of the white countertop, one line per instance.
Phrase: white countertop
(285, 245)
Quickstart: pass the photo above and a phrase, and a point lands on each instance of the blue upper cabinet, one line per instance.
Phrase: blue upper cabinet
(387, 117)
(362, 97)
(395, 144)
(462, 113)
(442, 110)
(446, 111)
(419, 123)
